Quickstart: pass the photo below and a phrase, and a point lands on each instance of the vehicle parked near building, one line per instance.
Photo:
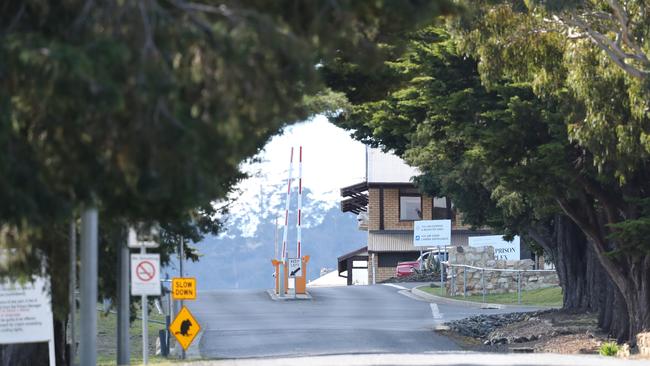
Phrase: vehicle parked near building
(407, 268)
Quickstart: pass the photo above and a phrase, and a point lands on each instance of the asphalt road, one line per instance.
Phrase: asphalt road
(338, 320)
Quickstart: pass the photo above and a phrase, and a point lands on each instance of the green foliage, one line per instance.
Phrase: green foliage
(146, 109)
(520, 110)
(608, 349)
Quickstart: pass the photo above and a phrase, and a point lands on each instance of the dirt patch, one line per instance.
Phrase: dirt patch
(552, 331)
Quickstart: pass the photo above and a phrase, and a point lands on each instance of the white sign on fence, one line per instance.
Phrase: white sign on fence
(145, 274)
(431, 233)
(26, 314)
(503, 250)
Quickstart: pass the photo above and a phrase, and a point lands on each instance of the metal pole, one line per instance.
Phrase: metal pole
(299, 221)
(168, 317)
(519, 288)
(282, 274)
(442, 270)
(373, 269)
(452, 284)
(182, 275)
(123, 341)
(88, 276)
(145, 321)
(275, 242)
(464, 281)
(286, 211)
(73, 289)
(483, 282)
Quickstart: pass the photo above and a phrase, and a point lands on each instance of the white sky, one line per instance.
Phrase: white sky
(331, 160)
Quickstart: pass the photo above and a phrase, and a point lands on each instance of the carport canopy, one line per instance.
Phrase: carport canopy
(346, 262)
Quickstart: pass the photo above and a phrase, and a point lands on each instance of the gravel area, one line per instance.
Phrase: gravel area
(553, 331)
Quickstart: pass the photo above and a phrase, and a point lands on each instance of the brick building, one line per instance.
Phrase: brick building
(387, 204)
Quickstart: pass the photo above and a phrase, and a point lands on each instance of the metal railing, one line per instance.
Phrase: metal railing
(465, 267)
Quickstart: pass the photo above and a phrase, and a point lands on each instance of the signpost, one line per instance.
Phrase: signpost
(145, 281)
(295, 267)
(185, 328)
(26, 314)
(431, 233)
(503, 250)
(184, 288)
(145, 274)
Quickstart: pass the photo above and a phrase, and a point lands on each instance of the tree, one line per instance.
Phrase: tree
(608, 176)
(146, 108)
(529, 128)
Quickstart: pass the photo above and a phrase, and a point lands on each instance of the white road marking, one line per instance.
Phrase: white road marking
(394, 285)
(408, 294)
(435, 311)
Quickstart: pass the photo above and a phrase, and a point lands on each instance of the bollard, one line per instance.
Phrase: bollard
(164, 345)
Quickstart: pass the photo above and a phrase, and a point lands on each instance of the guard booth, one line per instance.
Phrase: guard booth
(300, 281)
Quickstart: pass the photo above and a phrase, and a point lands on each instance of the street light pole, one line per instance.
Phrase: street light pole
(123, 341)
(88, 334)
(73, 288)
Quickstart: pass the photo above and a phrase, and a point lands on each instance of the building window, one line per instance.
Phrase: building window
(410, 208)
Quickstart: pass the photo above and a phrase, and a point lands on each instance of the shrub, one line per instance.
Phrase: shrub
(608, 349)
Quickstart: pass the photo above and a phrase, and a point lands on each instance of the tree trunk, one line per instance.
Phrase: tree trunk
(637, 295)
(577, 266)
(585, 283)
(613, 314)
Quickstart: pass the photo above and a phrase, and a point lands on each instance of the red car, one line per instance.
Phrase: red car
(408, 268)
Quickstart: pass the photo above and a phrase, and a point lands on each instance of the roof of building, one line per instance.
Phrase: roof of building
(387, 168)
(358, 201)
(360, 254)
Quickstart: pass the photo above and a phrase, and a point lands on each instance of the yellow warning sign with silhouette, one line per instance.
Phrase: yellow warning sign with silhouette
(184, 328)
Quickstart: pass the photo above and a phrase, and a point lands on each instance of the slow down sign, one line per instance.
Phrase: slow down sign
(184, 288)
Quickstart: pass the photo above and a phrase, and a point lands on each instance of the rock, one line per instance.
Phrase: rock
(623, 351)
(643, 343)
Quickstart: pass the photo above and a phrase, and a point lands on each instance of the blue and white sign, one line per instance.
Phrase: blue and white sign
(431, 233)
(503, 250)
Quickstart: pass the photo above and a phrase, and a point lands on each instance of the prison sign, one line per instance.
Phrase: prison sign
(184, 288)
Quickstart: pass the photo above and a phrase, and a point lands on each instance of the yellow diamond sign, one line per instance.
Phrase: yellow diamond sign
(184, 328)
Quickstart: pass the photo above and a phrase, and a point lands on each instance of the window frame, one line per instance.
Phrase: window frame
(399, 205)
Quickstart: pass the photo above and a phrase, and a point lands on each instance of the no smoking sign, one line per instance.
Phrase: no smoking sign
(145, 274)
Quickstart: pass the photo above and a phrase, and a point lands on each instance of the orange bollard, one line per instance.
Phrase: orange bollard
(301, 282)
(276, 264)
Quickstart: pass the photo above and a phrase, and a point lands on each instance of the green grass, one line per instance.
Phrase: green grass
(608, 349)
(107, 340)
(551, 296)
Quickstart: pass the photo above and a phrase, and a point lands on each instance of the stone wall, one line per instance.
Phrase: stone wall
(495, 282)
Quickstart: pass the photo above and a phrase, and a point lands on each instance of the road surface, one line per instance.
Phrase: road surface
(338, 320)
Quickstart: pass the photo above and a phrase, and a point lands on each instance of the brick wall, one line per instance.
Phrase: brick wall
(373, 209)
(391, 210)
(381, 273)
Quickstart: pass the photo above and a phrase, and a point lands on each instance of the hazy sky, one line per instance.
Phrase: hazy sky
(331, 159)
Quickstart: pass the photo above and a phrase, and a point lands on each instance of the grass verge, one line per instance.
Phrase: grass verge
(551, 296)
(107, 340)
